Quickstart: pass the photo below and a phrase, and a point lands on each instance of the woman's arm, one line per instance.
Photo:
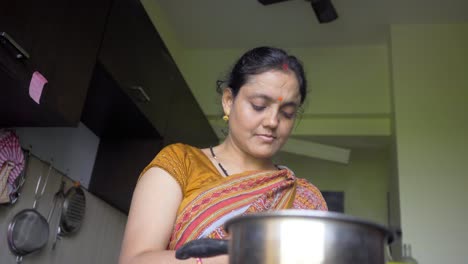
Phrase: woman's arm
(155, 201)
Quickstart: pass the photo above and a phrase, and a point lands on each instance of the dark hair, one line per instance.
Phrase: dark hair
(260, 60)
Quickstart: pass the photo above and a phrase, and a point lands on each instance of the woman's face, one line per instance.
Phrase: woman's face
(262, 114)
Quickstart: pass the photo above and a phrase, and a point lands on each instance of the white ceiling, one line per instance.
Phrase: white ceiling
(247, 23)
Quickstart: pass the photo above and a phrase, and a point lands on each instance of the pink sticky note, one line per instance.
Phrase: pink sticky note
(35, 87)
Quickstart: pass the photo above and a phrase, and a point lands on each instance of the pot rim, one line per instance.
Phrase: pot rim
(311, 214)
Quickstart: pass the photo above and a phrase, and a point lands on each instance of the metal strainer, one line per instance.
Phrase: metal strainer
(28, 231)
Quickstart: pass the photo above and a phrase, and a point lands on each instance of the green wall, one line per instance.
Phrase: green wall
(364, 180)
(342, 80)
(349, 86)
(430, 83)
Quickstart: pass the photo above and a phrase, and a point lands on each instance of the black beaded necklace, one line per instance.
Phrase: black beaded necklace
(219, 164)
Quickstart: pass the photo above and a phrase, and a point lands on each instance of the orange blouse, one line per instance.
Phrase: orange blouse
(193, 170)
(189, 166)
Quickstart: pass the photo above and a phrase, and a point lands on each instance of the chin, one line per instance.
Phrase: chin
(264, 153)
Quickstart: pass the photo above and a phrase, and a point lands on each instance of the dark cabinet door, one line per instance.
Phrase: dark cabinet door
(118, 165)
(62, 39)
(128, 142)
(15, 65)
(15, 17)
(133, 53)
(83, 23)
(137, 62)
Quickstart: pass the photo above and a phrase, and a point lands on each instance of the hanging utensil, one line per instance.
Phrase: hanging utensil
(58, 198)
(57, 231)
(28, 231)
(73, 210)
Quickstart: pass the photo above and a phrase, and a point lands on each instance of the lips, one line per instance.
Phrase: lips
(266, 137)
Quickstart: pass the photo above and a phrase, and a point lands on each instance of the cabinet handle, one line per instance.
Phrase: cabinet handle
(143, 96)
(21, 53)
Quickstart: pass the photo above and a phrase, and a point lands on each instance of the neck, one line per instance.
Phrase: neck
(235, 160)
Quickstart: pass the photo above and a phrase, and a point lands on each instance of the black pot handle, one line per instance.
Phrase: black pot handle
(202, 248)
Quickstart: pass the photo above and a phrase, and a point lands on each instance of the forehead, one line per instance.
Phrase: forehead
(273, 83)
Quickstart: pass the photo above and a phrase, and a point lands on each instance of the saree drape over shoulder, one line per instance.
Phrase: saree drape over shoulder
(209, 199)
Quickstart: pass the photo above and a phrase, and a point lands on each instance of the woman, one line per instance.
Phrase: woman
(187, 193)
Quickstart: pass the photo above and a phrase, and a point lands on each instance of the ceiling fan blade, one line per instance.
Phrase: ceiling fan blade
(269, 2)
(324, 10)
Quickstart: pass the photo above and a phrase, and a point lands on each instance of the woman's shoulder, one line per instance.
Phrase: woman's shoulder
(309, 196)
(177, 149)
(180, 155)
(175, 159)
(302, 182)
(178, 146)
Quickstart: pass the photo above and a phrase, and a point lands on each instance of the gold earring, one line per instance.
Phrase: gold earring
(226, 118)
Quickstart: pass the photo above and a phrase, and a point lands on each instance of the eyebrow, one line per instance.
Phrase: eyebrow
(270, 99)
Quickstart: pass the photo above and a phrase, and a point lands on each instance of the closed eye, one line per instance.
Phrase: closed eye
(289, 111)
(288, 115)
(258, 108)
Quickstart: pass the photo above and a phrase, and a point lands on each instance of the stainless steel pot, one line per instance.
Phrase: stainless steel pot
(296, 236)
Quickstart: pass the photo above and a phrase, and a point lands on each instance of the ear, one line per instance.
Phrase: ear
(227, 100)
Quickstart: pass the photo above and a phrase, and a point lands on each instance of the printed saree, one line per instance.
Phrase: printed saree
(240, 194)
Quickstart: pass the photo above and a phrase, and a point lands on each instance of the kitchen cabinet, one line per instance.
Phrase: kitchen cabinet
(137, 103)
(128, 141)
(14, 81)
(133, 53)
(118, 165)
(61, 39)
(110, 113)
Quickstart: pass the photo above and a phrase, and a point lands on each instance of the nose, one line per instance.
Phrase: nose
(271, 119)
